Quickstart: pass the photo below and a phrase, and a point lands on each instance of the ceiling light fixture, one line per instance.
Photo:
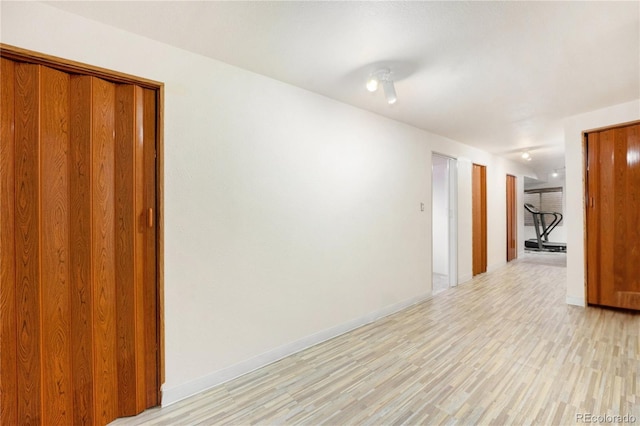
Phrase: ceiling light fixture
(526, 155)
(372, 84)
(383, 76)
(555, 173)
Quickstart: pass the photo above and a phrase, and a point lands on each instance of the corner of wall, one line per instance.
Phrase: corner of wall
(576, 301)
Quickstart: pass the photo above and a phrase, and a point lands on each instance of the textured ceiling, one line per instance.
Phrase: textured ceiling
(497, 75)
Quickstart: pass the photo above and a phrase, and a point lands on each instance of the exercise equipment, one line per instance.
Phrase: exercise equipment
(541, 242)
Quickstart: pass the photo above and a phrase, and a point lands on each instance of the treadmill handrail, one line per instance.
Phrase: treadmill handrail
(542, 229)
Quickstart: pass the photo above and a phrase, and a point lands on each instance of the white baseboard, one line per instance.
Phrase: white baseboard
(495, 266)
(576, 301)
(185, 390)
(464, 278)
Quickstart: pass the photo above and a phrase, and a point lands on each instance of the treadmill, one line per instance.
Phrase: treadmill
(541, 242)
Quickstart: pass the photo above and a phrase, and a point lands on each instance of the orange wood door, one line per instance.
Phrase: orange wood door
(512, 222)
(79, 326)
(613, 217)
(479, 212)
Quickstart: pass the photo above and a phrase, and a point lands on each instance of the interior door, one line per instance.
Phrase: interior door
(78, 294)
(512, 215)
(479, 212)
(613, 217)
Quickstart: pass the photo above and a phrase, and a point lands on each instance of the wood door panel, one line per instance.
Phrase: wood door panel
(8, 338)
(27, 230)
(593, 220)
(80, 257)
(607, 216)
(103, 249)
(129, 244)
(152, 378)
(613, 250)
(54, 240)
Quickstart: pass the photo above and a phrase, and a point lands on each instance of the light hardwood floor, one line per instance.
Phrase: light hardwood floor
(503, 348)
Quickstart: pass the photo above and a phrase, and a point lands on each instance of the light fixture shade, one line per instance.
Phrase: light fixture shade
(389, 91)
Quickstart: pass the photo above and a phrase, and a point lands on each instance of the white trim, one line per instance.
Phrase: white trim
(452, 164)
(178, 393)
(496, 266)
(465, 278)
(576, 301)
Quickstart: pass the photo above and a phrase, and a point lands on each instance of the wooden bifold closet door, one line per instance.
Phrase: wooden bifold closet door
(512, 218)
(479, 213)
(78, 282)
(613, 217)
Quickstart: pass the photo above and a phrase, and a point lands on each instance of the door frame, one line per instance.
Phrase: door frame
(73, 67)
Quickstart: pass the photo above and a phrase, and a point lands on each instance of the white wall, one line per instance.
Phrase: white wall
(289, 217)
(573, 131)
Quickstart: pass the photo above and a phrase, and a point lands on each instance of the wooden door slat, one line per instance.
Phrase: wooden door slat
(27, 229)
(593, 220)
(606, 223)
(130, 249)
(103, 255)
(54, 239)
(8, 337)
(148, 188)
(80, 257)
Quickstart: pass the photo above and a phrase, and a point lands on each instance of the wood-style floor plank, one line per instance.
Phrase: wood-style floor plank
(504, 348)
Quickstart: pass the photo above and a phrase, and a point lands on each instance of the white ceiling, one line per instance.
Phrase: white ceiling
(497, 75)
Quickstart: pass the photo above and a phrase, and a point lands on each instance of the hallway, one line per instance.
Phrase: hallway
(503, 348)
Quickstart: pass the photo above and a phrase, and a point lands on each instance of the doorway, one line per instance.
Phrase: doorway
(444, 247)
(612, 194)
(80, 191)
(479, 213)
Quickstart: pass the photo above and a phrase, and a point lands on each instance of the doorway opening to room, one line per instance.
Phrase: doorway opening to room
(444, 214)
(544, 224)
